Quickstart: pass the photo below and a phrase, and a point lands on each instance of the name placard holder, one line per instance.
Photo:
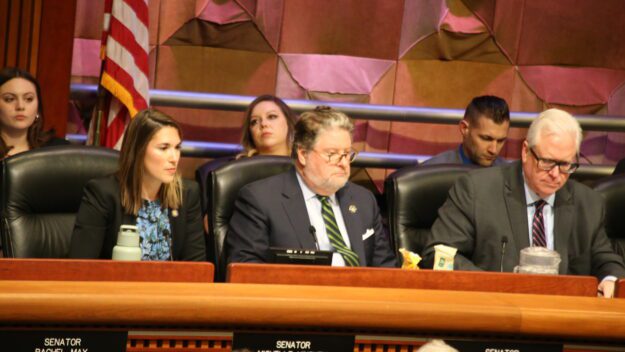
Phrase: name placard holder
(276, 342)
(63, 341)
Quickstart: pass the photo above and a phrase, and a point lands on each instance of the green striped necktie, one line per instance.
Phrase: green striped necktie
(334, 234)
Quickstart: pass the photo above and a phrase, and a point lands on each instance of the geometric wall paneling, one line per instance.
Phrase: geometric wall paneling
(538, 32)
(422, 138)
(208, 125)
(220, 12)
(154, 17)
(286, 86)
(215, 70)
(172, 15)
(582, 23)
(463, 36)
(616, 102)
(267, 16)
(239, 36)
(86, 61)
(347, 27)
(89, 19)
(336, 73)
(420, 20)
(384, 90)
(576, 86)
(448, 84)
(457, 46)
(615, 147)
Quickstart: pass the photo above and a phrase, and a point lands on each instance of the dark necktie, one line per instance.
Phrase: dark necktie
(334, 234)
(538, 225)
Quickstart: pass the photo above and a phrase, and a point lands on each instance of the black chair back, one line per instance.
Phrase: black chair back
(613, 190)
(41, 193)
(223, 185)
(413, 196)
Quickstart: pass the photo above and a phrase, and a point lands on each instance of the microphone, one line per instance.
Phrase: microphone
(313, 232)
(504, 241)
(167, 236)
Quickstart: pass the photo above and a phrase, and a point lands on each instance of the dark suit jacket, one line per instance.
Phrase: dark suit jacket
(101, 214)
(272, 213)
(452, 156)
(488, 204)
(619, 168)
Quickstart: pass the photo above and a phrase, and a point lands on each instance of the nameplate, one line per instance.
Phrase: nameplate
(272, 342)
(63, 341)
(489, 346)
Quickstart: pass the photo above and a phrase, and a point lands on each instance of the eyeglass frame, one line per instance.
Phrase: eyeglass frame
(349, 156)
(572, 166)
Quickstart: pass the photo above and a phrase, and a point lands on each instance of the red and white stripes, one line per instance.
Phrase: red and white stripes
(125, 40)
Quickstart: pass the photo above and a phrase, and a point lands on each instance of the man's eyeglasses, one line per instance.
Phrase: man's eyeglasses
(336, 158)
(548, 164)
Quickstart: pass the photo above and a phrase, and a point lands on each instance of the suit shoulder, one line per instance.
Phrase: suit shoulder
(190, 185)
(357, 191)
(581, 191)
(271, 183)
(106, 184)
(446, 157)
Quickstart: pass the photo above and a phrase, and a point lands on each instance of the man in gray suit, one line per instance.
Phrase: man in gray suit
(531, 202)
(484, 130)
(312, 206)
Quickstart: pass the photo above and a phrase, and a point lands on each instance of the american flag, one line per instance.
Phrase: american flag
(125, 48)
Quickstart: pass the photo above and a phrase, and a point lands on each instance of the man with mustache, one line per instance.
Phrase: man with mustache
(312, 205)
(531, 203)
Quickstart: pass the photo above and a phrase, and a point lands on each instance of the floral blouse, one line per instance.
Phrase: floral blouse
(154, 230)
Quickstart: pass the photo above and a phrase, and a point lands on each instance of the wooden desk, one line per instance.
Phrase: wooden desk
(104, 270)
(620, 289)
(422, 279)
(374, 311)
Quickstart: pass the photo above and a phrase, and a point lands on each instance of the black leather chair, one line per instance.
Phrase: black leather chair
(41, 194)
(613, 190)
(413, 196)
(202, 173)
(223, 185)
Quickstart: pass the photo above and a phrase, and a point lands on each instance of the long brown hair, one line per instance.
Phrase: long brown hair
(36, 135)
(249, 148)
(139, 133)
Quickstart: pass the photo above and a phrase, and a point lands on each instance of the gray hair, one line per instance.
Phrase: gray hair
(311, 123)
(436, 346)
(554, 121)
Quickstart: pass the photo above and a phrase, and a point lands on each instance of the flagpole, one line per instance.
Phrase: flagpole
(100, 105)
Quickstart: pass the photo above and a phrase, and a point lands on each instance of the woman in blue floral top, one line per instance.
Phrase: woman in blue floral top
(147, 191)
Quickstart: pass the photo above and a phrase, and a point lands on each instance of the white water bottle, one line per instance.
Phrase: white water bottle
(127, 247)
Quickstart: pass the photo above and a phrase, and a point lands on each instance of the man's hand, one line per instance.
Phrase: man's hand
(606, 288)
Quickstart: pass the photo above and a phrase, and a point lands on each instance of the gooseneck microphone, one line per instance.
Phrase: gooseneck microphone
(504, 241)
(313, 232)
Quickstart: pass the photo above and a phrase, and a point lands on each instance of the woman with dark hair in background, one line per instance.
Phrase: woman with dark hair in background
(21, 114)
(147, 191)
(268, 127)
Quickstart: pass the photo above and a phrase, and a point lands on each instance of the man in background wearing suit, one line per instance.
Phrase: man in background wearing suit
(531, 202)
(313, 205)
(484, 129)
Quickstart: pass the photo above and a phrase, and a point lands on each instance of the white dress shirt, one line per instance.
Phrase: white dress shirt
(313, 207)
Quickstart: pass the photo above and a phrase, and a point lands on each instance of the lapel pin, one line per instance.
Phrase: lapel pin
(174, 213)
(352, 209)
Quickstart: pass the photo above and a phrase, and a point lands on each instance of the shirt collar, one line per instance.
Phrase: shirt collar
(308, 193)
(463, 157)
(531, 197)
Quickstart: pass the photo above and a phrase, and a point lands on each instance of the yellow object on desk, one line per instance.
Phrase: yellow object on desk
(410, 260)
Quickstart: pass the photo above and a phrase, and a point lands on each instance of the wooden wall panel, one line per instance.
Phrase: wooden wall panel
(37, 36)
